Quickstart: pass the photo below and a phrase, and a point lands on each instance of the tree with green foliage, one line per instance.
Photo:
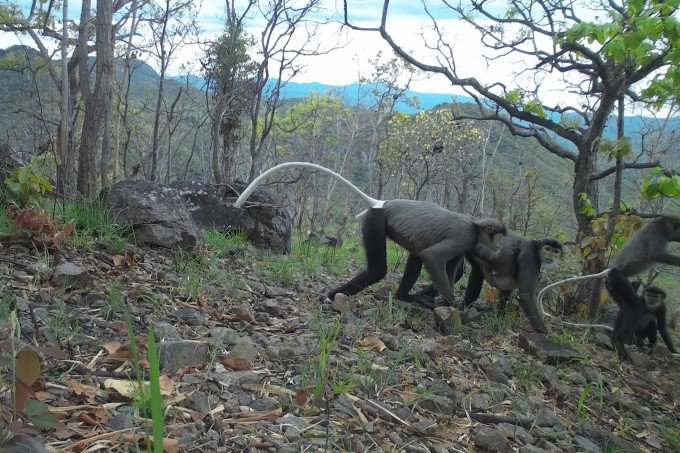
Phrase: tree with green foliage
(605, 53)
(229, 69)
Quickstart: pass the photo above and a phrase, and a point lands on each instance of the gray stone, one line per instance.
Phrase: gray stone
(426, 426)
(24, 444)
(263, 404)
(438, 404)
(531, 449)
(343, 303)
(174, 355)
(585, 445)
(164, 331)
(200, 402)
(272, 307)
(516, 432)
(540, 346)
(267, 222)
(224, 336)
(496, 375)
(490, 439)
(68, 275)
(545, 417)
(244, 349)
(291, 420)
(237, 378)
(470, 315)
(156, 213)
(604, 341)
(447, 319)
(189, 316)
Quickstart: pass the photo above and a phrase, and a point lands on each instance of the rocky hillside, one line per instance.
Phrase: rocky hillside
(253, 359)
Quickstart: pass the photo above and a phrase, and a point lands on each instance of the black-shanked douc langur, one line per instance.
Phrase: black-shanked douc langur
(514, 266)
(434, 237)
(645, 247)
(653, 319)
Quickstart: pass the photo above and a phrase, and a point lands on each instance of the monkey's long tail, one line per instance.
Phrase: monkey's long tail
(372, 202)
(580, 278)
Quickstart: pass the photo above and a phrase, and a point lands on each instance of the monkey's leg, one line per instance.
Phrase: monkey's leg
(454, 269)
(411, 273)
(631, 309)
(435, 259)
(375, 242)
(474, 285)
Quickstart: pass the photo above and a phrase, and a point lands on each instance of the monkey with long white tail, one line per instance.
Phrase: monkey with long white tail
(434, 237)
(647, 246)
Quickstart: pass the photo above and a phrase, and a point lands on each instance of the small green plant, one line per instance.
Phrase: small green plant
(193, 282)
(526, 375)
(280, 270)
(115, 298)
(93, 223)
(501, 321)
(224, 242)
(580, 407)
(671, 436)
(156, 399)
(28, 185)
(567, 339)
(38, 415)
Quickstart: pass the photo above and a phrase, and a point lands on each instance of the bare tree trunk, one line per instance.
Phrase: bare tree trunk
(115, 157)
(159, 99)
(62, 139)
(216, 142)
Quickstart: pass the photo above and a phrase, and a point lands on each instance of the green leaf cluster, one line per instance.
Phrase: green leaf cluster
(658, 185)
(621, 147)
(28, 184)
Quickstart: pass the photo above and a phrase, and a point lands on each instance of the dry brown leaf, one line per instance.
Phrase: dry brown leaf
(302, 395)
(165, 384)
(88, 391)
(118, 260)
(112, 346)
(44, 396)
(243, 316)
(235, 363)
(123, 387)
(22, 393)
(372, 342)
(28, 366)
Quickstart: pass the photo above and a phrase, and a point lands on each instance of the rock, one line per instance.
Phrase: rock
(291, 420)
(540, 346)
(174, 355)
(604, 437)
(24, 444)
(224, 336)
(470, 315)
(164, 331)
(272, 307)
(545, 417)
(263, 404)
(490, 439)
(426, 426)
(244, 349)
(156, 213)
(531, 449)
(433, 348)
(267, 222)
(189, 316)
(66, 275)
(496, 375)
(516, 432)
(604, 341)
(122, 420)
(550, 377)
(585, 445)
(343, 303)
(438, 404)
(447, 319)
(200, 402)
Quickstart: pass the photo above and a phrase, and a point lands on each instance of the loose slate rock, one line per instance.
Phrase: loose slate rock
(540, 346)
(189, 316)
(490, 439)
(24, 444)
(447, 319)
(586, 445)
(174, 355)
(156, 213)
(531, 449)
(68, 275)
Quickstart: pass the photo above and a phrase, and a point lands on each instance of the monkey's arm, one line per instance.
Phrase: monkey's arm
(494, 258)
(474, 284)
(661, 325)
(527, 281)
(667, 258)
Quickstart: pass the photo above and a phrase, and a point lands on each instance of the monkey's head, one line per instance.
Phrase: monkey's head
(671, 224)
(654, 297)
(491, 232)
(551, 251)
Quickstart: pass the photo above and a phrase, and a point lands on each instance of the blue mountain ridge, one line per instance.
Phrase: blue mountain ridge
(353, 92)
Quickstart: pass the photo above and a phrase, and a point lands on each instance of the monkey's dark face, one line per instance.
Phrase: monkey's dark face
(654, 297)
(550, 255)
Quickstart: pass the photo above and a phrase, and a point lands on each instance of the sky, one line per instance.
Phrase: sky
(407, 24)
(343, 65)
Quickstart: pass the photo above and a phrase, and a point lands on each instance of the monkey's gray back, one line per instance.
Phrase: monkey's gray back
(416, 225)
(634, 256)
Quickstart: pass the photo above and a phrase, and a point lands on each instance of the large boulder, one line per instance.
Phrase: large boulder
(267, 223)
(156, 213)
